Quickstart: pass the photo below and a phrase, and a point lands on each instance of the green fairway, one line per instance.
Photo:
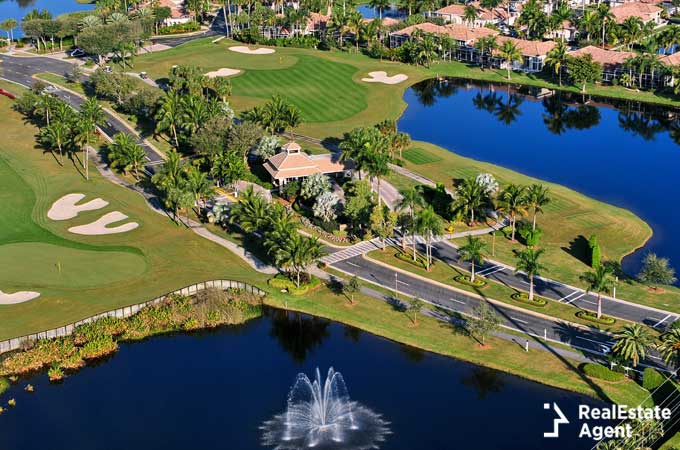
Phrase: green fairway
(79, 276)
(418, 156)
(323, 90)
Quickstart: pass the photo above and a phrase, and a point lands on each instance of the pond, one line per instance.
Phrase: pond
(215, 390)
(371, 13)
(623, 153)
(17, 9)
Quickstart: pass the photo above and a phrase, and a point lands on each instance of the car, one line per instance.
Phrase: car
(605, 349)
(77, 53)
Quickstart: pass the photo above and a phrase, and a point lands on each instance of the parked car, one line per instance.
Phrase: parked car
(77, 53)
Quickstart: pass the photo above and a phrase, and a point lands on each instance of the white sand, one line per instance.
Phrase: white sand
(381, 77)
(224, 72)
(17, 297)
(99, 227)
(65, 208)
(247, 51)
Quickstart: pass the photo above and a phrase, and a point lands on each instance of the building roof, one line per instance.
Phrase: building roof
(455, 10)
(482, 13)
(644, 11)
(604, 57)
(177, 9)
(455, 31)
(671, 60)
(529, 48)
(291, 163)
(386, 21)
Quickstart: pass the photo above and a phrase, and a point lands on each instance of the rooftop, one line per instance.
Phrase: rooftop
(645, 11)
(455, 31)
(604, 57)
(291, 162)
(529, 48)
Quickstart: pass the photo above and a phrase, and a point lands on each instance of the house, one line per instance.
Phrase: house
(645, 11)
(291, 163)
(455, 14)
(464, 35)
(612, 61)
(179, 14)
(566, 32)
(533, 53)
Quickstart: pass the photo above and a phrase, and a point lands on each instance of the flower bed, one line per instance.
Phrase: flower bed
(523, 297)
(283, 282)
(323, 233)
(465, 279)
(188, 27)
(420, 262)
(588, 315)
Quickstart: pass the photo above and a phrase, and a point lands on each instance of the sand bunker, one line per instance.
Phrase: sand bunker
(65, 208)
(381, 77)
(99, 227)
(224, 72)
(247, 51)
(17, 297)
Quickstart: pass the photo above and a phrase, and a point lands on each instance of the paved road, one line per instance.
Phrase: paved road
(21, 69)
(589, 339)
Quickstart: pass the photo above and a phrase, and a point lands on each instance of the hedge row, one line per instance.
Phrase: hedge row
(601, 372)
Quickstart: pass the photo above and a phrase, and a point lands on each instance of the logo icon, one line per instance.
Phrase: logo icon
(559, 420)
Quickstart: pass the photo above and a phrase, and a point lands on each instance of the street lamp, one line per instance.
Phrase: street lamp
(396, 290)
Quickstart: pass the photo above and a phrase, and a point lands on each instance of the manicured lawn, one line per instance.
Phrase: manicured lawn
(98, 273)
(432, 335)
(418, 156)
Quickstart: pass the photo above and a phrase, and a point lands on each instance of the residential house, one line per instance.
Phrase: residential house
(645, 11)
(291, 163)
(534, 53)
(455, 14)
(179, 14)
(612, 61)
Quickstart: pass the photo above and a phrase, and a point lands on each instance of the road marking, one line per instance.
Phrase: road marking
(500, 269)
(655, 357)
(575, 298)
(567, 296)
(588, 301)
(519, 320)
(352, 264)
(662, 321)
(592, 340)
(399, 281)
(481, 272)
(457, 301)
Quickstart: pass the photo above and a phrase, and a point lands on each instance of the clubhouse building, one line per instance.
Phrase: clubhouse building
(291, 164)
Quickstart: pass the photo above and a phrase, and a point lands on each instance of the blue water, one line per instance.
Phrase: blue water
(629, 159)
(214, 390)
(372, 13)
(17, 9)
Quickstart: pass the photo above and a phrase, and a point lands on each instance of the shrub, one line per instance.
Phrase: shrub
(106, 326)
(589, 315)
(601, 372)
(98, 347)
(595, 252)
(180, 28)
(283, 282)
(465, 279)
(524, 298)
(652, 379)
(420, 262)
(55, 373)
(4, 384)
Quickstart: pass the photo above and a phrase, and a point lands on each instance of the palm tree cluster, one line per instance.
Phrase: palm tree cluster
(276, 116)
(277, 228)
(126, 155)
(370, 150)
(62, 129)
(418, 219)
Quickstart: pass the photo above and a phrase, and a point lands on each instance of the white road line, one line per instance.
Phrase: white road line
(591, 340)
(662, 321)
(588, 301)
(500, 269)
(567, 296)
(483, 271)
(401, 282)
(655, 357)
(519, 320)
(575, 298)
(352, 264)
(457, 301)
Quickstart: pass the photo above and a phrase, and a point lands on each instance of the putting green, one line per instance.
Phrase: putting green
(34, 265)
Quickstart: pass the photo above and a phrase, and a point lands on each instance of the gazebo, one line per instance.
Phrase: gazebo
(291, 163)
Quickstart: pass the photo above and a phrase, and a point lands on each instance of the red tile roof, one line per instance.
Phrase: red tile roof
(454, 31)
(529, 48)
(604, 57)
(644, 11)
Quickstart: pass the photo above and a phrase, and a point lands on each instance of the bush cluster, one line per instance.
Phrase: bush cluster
(601, 372)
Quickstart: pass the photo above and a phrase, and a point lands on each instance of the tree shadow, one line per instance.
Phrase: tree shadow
(579, 249)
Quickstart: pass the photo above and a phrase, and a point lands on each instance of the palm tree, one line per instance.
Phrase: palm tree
(470, 197)
(632, 30)
(427, 49)
(528, 262)
(44, 105)
(377, 162)
(169, 114)
(589, 23)
(473, 251)
(380, 5)
(513, 202)
(429, 224)
(126, 154)
(600, 281)
(538, 196)
(485, 45)
(632, 343)
(292, 118)
(470, 15)
(251, 212)
(557, 59)
(604, 16)
(90, 21)
(8, 27)
(669, 347)
(298, 253)
(56, 134)
(410, 200)
(195, 113)
(199, 184)
(355, 24)
(510, 53)
(91, 116)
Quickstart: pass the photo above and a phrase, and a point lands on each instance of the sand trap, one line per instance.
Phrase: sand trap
(381, 77)
(224, 72)
(17, 297)
(99, 227)
(247, 51)
(65, 208)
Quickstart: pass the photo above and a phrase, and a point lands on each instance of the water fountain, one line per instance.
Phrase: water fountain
(321, 415)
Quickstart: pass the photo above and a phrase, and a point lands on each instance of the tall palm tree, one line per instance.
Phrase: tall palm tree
(669, 347)
(91, 117)
(557, 59)
(470, 197)
(512, 201)
(473, 251)
(470, 15)
(8, 27)
(126, 154)
(632, 343)
(599, 281)
(199, 184)
(380, 5)
(355, 24)
(538, 196)
(251, 212)
(427, 49)
(485, 45)
(604, 17)
(528, 262)
(377, 163)
(56, 134)
(510, 53)
(429, 224)
(410, 200)
(195, 113)
(44, 105)
(169, 115)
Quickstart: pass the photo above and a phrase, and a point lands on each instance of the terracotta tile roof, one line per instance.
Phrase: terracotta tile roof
(177, 10)
(456, 10)
(604, 57)
(482, 13)
(454, 31)
(529, 48)
(386, 22)
(671, 60)
(291, 165)
(644, 11)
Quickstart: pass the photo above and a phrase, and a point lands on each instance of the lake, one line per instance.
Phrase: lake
(214, 390)
(17, 9)
(626, 153)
